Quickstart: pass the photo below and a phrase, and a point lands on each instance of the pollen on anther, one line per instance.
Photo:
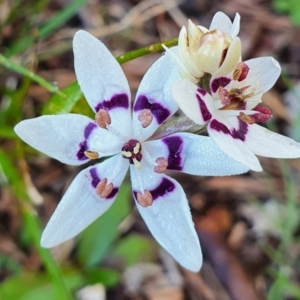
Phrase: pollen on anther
(137, 148)
(103, 189)
(137, 164)
(145, 117)
(102, 118)
(91, 154)
(161, 166)
(144, 199)
(245, 118)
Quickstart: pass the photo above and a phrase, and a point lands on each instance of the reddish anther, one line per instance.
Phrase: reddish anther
(241, 71)
(264, 114)
(145, 117)
(102, 118)
(103, 189)
(161, 166)
(224, 96)
(144, 199)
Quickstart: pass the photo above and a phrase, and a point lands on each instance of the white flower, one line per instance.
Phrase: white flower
(122, 132)
(215, 50)
(232, 109)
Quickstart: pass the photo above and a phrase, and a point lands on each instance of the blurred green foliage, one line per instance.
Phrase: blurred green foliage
(290, 7)
(55, 282)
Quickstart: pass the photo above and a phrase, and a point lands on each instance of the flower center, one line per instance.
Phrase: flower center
(132, 150)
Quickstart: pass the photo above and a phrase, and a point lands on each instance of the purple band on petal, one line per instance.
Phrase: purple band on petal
(174, 145)
(159, 112)
(220, 81)
(96, 179)
(83, 145)
(166, 186)
(117, 101)
(239, 134)
(206, 115)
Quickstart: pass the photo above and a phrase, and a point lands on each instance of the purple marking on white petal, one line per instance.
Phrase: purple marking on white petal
(206, 115)
(166, 186)
(117, 101)
(174, 145)
(220, 81)
(201, 91)
(83, 145)
(239, 134)
(96, 179)
(159, 112)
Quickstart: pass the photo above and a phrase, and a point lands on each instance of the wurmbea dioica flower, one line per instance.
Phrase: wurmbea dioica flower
(230, 107)
(122, 133)
(215, 50)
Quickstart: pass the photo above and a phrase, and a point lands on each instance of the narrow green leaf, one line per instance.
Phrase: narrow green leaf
(108, 278)
(7, 132)
(32, 223)
(7, 63)
(33, 286)
(134, 249)
(50, 26)
(59, 104)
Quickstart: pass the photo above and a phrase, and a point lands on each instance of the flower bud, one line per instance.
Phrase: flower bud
(207, 51)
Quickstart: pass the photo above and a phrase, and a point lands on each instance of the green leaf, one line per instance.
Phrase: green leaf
(135, 248)
(281, 6)
(7, 132)
(7, 63)
(50, 26)
(108, 278)
(33, 286)
(59, 104)
(97, 238)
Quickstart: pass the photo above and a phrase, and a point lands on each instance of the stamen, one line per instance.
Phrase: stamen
(241, 71)
(103, 189)
(161, 166)
(245, 118)
(91, 154)
(224, 96)
(102, 118)
(264, 114)
(126, 154)
(137, 148)
(144, 199)
(145, 117)
(137, 164)
(132, 150)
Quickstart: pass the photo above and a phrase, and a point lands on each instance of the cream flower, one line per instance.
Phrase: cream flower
(215, 50)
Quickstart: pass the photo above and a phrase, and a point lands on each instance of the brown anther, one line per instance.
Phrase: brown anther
(145, 117)
(102, 118)
(161, 166)
(224, 96)
(245, 118)
(241, 71)
(144, 199)
(91, 154)
(103, 189)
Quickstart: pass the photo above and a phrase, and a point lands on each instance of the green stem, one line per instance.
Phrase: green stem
(7, 63)
(145, 50)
